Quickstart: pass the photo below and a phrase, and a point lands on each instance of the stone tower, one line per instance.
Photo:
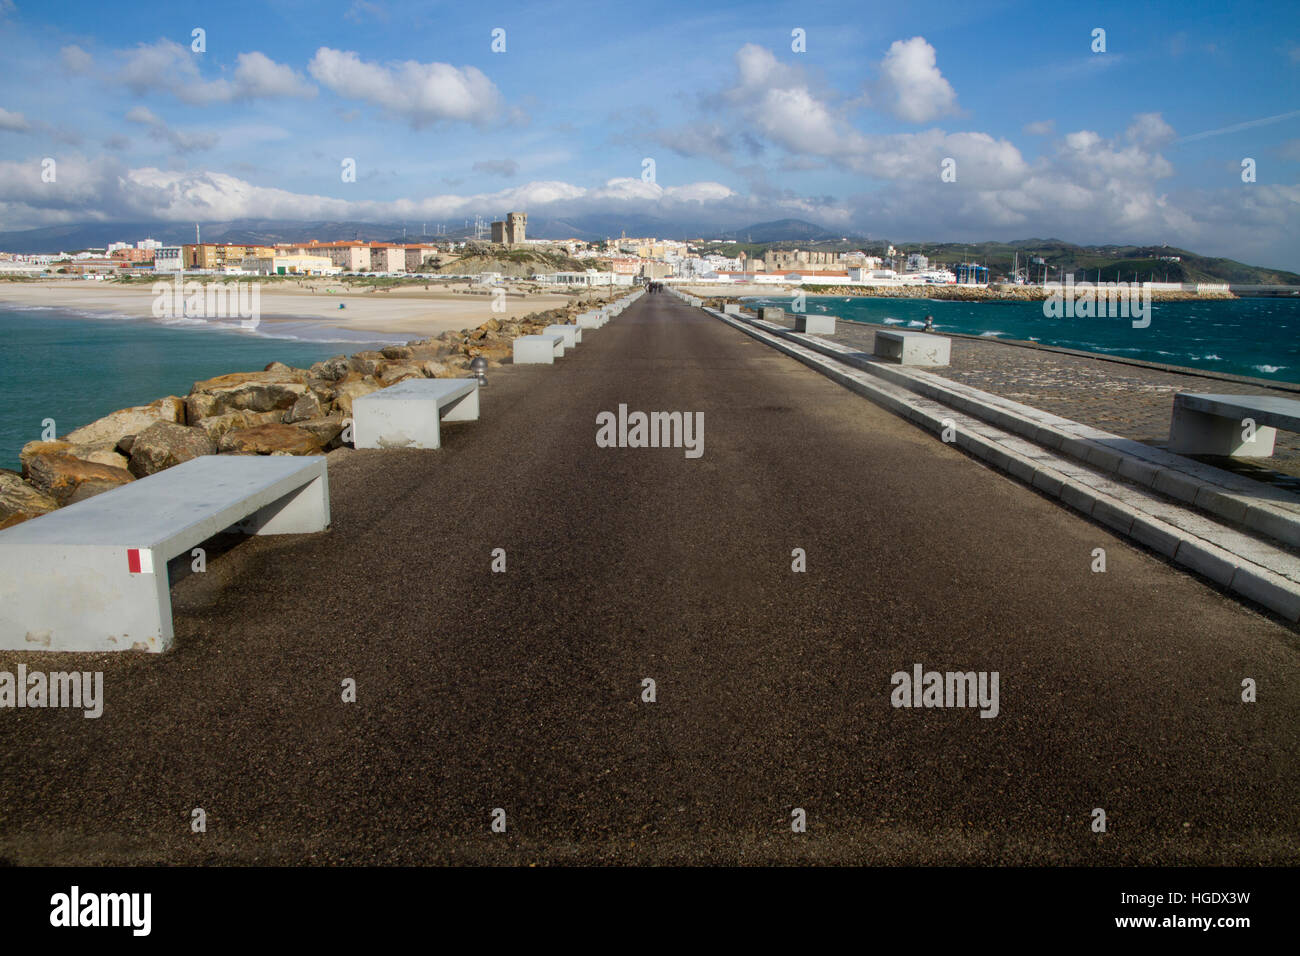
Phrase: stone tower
(515, 223)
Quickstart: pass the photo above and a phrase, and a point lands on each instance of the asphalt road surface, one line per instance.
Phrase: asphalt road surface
(523, 690)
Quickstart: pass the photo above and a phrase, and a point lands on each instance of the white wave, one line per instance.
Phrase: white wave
(1269, 369)
(915, 324)
(991, 335)
(893, 321)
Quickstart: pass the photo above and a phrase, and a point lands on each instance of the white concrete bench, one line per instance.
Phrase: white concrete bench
(913, 348)
(538, 349)
(591, 320)
(814, 324)
(771, 313)
(1205, 424)
(572, 334)
(409, 414)
(731, 308)
(93, 576)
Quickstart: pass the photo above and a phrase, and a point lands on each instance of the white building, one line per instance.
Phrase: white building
(917, 262)
(167, 259)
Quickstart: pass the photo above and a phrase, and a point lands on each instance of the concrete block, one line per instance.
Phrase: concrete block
(1047, 483)
(1114, 516)
(771, 313)
(1275, 593)
(814, 324)
(1177, 485)
(1155, 535)
(1204, 424)
(572, 334)
(1135, 469)
(913, 348)
(538, 349)
(731, 308)
(1204, 558)
(408, 414)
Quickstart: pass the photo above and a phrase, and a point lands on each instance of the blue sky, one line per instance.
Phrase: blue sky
(1047, 136)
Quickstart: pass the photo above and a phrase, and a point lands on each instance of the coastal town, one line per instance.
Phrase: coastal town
(611, 262)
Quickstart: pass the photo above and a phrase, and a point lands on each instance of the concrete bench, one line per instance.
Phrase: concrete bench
(589, 320)
(538, 349)
(814, 324)
(572, 334)
(771, 313)
(1205, 424)
(913, 348)
(731, 308)
(93, 576)
(409, 414)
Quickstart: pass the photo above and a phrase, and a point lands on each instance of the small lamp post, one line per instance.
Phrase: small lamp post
(478, 368)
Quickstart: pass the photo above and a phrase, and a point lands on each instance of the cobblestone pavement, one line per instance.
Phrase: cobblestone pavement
(1133, 400)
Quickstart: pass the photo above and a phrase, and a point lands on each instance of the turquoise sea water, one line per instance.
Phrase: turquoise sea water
(1255, 337)
(75, 368)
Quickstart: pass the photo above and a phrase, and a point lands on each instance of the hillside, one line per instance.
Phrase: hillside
(517, 263)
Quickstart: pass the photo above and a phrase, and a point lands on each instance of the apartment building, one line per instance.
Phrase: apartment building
(387, 257)
(218, 256)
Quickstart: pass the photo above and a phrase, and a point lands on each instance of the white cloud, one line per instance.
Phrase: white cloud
(14, 122)
(910, 84)
(166, 66)
(1040, 128)
(75, 59)
(422, 92)
(1150, 130)
(258, 76)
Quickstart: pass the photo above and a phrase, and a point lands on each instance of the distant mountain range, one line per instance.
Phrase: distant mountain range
(1061, 258)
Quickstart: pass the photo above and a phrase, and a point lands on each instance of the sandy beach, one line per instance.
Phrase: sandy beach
(414, 310)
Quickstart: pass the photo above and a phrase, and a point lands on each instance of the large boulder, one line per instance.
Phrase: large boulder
(393, 372)
(246, 391)
(328, 431)
(67, 479)
(271, 440)
(426, 352)
(19, 501)
(166, 444)
(112, 428)
(331, 369)
(215, 426)
(306, 408)
(366, 362)
(101, 453)
(348, 392)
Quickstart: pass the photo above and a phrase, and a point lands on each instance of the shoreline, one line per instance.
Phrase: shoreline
(391, 313)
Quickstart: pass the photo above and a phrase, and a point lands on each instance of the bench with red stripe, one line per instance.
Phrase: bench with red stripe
(93, 576)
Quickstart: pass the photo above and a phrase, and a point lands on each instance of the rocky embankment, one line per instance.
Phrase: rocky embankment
(277, 411)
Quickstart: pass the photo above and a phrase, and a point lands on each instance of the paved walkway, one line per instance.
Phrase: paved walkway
(522, 690)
